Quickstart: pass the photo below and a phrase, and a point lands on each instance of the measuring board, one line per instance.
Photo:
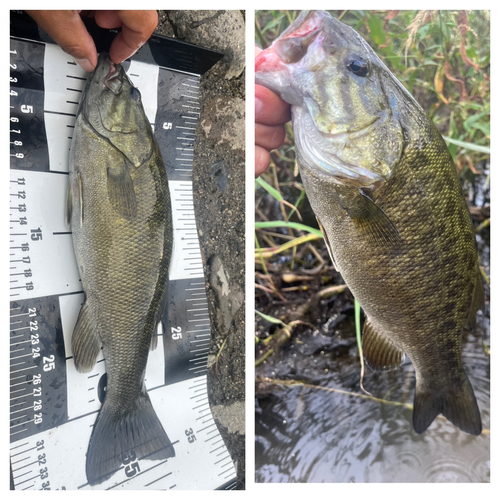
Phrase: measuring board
(52, 406)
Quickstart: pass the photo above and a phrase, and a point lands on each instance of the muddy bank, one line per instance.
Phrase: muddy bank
(219, 199)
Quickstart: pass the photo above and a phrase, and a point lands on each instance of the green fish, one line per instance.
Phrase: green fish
(387, 197)
(118, 206)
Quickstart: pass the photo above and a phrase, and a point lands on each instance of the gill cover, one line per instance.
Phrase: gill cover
(113, 107)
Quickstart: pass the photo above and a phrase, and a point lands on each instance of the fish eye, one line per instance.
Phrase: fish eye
(357, 65)
(135, 94)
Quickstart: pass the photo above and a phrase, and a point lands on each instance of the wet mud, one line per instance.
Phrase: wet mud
(219, 200)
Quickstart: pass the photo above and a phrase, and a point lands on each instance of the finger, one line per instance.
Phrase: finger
(66, 28)
(269, 108)
(137, 27)
(269, 136)
(262, 160)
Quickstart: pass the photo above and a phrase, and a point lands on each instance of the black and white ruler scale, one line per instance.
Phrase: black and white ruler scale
(53, 407)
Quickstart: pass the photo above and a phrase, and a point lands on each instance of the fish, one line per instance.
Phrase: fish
(388, 200)
(119, 211)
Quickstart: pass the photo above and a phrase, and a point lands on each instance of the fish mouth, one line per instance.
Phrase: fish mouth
(292, 45)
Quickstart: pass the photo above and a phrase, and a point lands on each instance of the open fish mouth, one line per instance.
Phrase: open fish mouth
(113, 81)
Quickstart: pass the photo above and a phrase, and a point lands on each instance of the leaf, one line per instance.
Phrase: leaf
(377, 32)
(272, 191)
(276, 321)
(473, 119)
(272, 23)
(269, 252)
(439, 84)
(293, 225)
(357, 319)
(483, 127)
(468, 145)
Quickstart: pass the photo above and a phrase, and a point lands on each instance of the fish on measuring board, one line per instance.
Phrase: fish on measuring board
(118, 206)
(387, 197)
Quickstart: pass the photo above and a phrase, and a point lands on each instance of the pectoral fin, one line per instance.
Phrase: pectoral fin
(85, 342)
(379, 352)
(69, 205)
(121, 191)
(371, 221)
(74, 200)
(328, 246)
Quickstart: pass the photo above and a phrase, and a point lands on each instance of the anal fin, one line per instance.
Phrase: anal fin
(379, 352)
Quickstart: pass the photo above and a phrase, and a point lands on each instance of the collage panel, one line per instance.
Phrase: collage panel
(372, 246)
(127, 229)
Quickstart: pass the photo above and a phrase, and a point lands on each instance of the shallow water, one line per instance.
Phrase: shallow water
(307, 433)
(310, 432)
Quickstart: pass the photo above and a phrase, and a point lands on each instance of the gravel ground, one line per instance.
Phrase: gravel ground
(219, 193)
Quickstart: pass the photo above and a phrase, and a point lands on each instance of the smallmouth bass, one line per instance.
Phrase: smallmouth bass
(387, 197)
(118, 206)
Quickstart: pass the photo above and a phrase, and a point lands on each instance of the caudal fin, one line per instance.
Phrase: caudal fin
(458, 405)
(120, 438)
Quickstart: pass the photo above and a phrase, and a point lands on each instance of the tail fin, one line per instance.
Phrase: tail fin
(119, 438)
(458, 405)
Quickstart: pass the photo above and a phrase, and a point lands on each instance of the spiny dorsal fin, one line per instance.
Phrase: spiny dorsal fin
(379, 352)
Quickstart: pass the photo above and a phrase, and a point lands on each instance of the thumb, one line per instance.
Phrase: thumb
(66, 28)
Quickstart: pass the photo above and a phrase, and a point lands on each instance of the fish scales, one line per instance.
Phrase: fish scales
(386, 194)
(121, 220)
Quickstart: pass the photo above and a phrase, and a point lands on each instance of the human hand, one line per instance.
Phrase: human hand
(271, 114)
(69, 32)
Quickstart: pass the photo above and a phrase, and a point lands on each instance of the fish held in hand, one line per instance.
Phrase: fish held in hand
(387, 197)
(118, 206)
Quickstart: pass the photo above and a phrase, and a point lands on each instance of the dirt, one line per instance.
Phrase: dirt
(219, 197)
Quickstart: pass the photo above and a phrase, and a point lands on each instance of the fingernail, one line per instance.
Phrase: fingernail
(85, 64)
